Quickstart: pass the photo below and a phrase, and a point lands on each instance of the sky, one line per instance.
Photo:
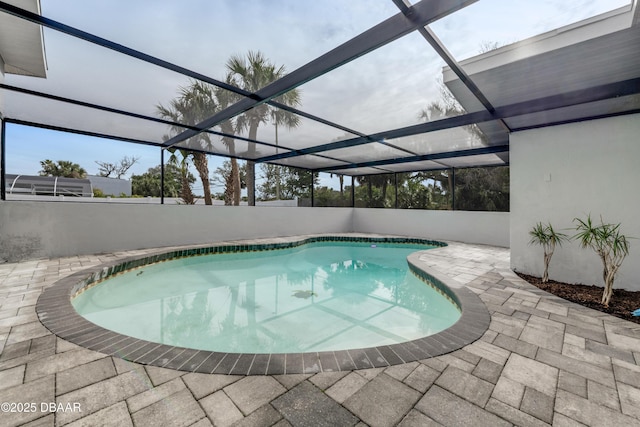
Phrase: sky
(382, 90)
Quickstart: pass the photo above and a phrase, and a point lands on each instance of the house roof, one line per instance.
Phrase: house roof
(21, 42)
(596, 58)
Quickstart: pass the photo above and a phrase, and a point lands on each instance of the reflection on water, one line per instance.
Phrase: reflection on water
(321, 296)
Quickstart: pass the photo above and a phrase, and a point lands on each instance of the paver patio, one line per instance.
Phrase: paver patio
(543, 361)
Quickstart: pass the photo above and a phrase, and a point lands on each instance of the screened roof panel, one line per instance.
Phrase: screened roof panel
(469, 161)
(203, 35)
(459, 138)
(215, 144)
(366, 153)
(58, 114)
(294, 131)
(389, 88)
(90, 73)
(362, 72)
(359, 171)
(310, 162)
(415, 166)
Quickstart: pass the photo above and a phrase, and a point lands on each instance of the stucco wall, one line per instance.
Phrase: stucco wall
(53, 229)
(489, 228)
(31, 230)
(562, 172)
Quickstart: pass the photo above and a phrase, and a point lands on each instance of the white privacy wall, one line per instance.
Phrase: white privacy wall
(53, 229)
(488, 228)
(567, 171)
(30, 229)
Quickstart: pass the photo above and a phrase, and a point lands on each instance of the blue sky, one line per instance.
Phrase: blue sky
(382, 90)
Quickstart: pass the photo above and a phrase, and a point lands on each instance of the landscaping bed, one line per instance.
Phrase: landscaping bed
(621, 305)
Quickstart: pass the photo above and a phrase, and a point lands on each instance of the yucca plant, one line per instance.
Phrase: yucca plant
(611, 246)
(548, 238)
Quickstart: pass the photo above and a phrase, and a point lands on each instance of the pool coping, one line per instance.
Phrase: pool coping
(56, 313)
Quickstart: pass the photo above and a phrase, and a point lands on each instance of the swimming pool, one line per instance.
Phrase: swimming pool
(320, 296)
(56, 312)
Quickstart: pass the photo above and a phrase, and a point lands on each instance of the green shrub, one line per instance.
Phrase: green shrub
(611, 246)
(548, 238)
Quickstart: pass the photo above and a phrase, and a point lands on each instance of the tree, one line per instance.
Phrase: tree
(285, 182)
(611, 246)
(118, 169)
(235, 180)
(424, 190)
(186, 193)
(325, 196)
(548, 238)
(482, 189)
(148, 183)
(224, 175)
(341, 181)
(194, 104)
(381, 181)
(252, 74)
(63, 168)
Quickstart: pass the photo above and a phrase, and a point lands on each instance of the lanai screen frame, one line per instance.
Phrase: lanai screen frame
(411, 18)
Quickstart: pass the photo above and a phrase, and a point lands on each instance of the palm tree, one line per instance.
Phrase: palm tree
(281, 117)
(252, 74)
(195, 103)
(341, 180)
(225, 98)
(185, 186)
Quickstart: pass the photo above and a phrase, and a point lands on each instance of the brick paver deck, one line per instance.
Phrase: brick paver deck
(543, 361)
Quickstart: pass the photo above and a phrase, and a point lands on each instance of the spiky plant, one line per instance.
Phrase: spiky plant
(611, 246)
(548, 238)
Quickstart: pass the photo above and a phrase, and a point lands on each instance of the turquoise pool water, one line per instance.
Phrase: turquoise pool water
(317, 297)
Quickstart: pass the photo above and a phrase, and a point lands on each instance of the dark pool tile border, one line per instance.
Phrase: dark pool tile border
(311, 362)
(277, 363)
(242, 365)
(195, 361)
(58, 315)
(210, 363)
(259, 364)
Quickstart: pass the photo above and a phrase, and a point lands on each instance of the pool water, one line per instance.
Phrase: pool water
(317, 297)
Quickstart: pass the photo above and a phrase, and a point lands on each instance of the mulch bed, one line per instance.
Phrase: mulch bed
(621, 305)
